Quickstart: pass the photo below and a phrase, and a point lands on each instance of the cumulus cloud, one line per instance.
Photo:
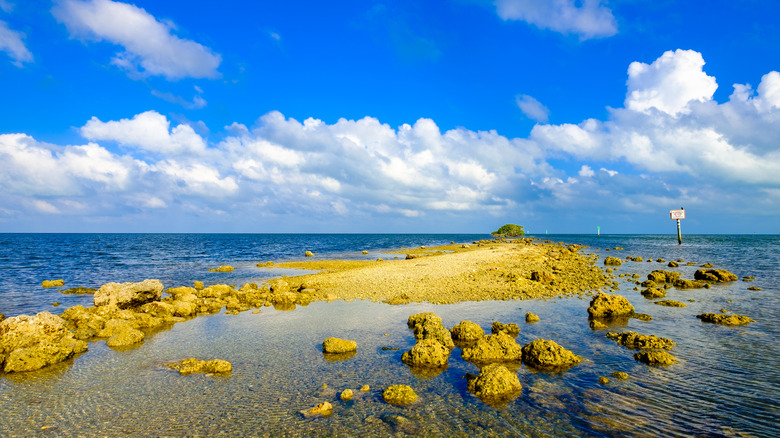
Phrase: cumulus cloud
(532, 108)
(11, 42)
(150, 48)
(588, 18)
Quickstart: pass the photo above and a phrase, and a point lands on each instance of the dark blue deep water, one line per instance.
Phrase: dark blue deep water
(726, 382)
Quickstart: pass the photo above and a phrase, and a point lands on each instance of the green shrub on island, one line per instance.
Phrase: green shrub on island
(509, 230)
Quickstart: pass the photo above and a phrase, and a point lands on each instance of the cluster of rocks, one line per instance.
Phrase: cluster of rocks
(652, 347)
(28, 343)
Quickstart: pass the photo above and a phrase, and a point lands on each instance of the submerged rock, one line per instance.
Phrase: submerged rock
(28, 343)
(193, 365)
(499, 347)
(128, 294)
(682, 283)
(337, 346)
(717, 318)
(494, 382)
(428, 353)
(641, 342)
(605, 305)
(126, 337)
(546, 354)
(671, 303)
(223, 269)
(467, 331)
(511, 329)
(79, 291)
(399, 395)
(655, 358)
(323, 409)
(53, 283)
(714, 275)
(613, 261)
(620, 375)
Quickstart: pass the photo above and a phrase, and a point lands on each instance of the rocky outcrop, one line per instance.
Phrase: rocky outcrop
(428, 325)
(338, 346)
(127, 295)
(499, 347)
(636, 341)
(494, 382)
(193, 365)
(613, 261)
(655, 358)
(714, 275)
(605, 306)
(653, 293)
(531, 318)
(683, 283)
(548, 355)
(29, 343)
(661, 276)
(53, 283)
(399, 395)
(428, 353)
(511, 329)
(717, 318)
(467, 331)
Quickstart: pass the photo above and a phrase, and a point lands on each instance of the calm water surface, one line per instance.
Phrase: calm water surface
(726, 381)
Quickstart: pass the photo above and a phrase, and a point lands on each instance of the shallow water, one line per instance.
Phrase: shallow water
(726, 381)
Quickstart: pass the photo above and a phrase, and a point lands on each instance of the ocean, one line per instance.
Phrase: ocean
(726, 381)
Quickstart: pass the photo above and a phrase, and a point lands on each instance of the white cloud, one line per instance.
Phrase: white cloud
(587, 18)
(45, 207)
(149, 131)
(532, 108)
(670, 83)
(586, 171)
(197, 102)
(12, 44)
(150, 48)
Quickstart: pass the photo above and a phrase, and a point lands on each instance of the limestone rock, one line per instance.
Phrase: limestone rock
(531, 318)
(620, 375)
(346, 395)
(613, 261)
(428, 353)
(655, 357)
(673, 264)
(125, 338)
(597, 325)
(714, 275)
(542, 277)
(641, 342)
(399, 395)
(29, 343)
(653, 293)
(546, 354)
(158, 308)
(682, 283)
(467, 331)
(193, 365)
(428, 325)
(79, 291)
(671, 303)
(511, 329)
(308, 254)
(128, 294)
(494, 381)
(323, 409)
(223, 269)
(53, 283)
(661, 276)
(717, 318)
(499, 347)
(605, 305)
(338, 346)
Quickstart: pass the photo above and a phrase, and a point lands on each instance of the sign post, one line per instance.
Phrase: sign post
(598, 231)
(678, 214)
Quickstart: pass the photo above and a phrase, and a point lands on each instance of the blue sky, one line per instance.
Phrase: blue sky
(396, 116)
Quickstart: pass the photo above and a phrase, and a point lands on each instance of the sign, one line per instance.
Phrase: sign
(677, 214)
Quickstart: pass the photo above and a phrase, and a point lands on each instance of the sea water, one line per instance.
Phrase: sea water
(726, 381)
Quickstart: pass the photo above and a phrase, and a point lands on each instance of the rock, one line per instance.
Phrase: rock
(114, 326)
(641, 342)
(308, 254)
(546, 354)
(754, 288)
(511, 329)
(128, 294)
(748, 278)
(265, 264)
(185, 308)
(223, 269)
(399, 395)
(542, 277)
(193, 365)
(655, 357)
(53, 283)
(717, 318)
(605, 305)
(467, 331)
(597, 325)
(673, 264)
(531, 318)
(158, 308)
(364, 252)
(714, 275)
(635, 259)
(428, 325)
(428, 353)
(653, 293)
(682, 283)
(323, 409)
(79, 291)
(365, 388)
(198, 285)
(278, 286)
(494, 382)
(620, 375)
(660, 260)
(641, 316)
(338, 346)
(671, 303)
(28, 343)
(499, 347)
(706, 265)
(346, 395)
(661, 276)
(613, 261)
(2, 317)
(126, 337)
(603, 380)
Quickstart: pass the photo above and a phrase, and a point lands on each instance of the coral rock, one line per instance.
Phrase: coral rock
(609, 306)
(337, 346)
(128, 294)
(427, 353)
(494, 381)
(499, 347)
(467, 331)
(546, 354)
(399, 395)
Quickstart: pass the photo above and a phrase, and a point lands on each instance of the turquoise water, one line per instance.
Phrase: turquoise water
(726, 381)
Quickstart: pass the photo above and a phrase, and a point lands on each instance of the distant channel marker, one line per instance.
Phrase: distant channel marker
(678, 214)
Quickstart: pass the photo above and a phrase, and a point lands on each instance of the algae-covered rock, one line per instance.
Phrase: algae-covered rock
(653, 293)
(531, 318)
(79, 291)
(494, 382)
(683, 283)
(655, 358)
(128, 294)
(323, 409)
(28, 343)
(126, 337)
(428, 353)
(511, 329)
(620, 375)
(714, 275)
(605, 305)
(337, 346)
(499, 347)
(223, 269)
(546, 354)
(53, 283)
(597, 325)
(673, 264)
(613, 261)
(603, 380)
(717, 318)
(308, 254)
(671, 303)
(428, 325)
(661, 276)
(399, 395)
(193, 365)
(641, 342)
(467, 331)
(347, 395)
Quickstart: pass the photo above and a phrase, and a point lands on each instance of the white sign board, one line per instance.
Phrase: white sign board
(677, 214)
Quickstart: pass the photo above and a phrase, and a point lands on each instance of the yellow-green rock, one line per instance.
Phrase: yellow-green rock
(494, 382)
(399, 395)
(427, 353)
(53, 283)
(337, 346)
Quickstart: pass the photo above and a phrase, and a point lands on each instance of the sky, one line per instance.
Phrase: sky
(564, 116)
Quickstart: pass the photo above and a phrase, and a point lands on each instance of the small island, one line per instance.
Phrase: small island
(509, 230)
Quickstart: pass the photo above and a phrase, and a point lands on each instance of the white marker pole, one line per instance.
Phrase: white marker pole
(598, 231)
(678, 214)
